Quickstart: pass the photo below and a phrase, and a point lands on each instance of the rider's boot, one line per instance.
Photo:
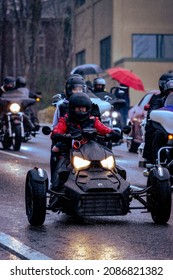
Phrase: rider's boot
(55, 186)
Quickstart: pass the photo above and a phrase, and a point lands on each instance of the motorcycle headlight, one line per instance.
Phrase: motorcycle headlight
(106, 114)
(114, 114)
(114, 122)
(80, 163)
(108, 163)
(14, 108)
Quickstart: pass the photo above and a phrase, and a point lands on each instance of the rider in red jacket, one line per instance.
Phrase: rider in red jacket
(72, 123)
(62, 126)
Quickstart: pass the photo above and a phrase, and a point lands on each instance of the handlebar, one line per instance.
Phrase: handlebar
(87, 133)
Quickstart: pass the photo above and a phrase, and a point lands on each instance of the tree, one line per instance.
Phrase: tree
(3, 31)
(27, 16)
(39, 43)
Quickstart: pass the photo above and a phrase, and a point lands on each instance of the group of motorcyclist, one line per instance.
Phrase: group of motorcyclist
(76, 112)
(17, 87)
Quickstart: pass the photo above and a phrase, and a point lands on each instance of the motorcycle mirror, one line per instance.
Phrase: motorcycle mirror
(39, 92)
(113, 89)
(46, 130)
(107, 97)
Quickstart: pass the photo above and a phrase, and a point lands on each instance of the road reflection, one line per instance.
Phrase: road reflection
(81, 249)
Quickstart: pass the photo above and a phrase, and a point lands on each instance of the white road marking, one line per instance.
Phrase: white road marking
(21, 250)
(13, 155)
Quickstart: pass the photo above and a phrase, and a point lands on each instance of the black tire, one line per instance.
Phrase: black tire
(35, 200)
(17, 140)
(132, 146)
(159, 200)
(6, 142)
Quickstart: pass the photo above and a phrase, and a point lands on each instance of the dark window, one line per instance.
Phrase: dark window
(152, 46)
(105, 53)
(79, 3)
(80, 58)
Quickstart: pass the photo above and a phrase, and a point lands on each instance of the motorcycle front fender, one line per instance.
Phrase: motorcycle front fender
(17, 120)
(161, 173)
(38, 174)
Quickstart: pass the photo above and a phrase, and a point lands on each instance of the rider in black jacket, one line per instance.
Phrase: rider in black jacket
(154, 139)
(8, 85)
(26, 93)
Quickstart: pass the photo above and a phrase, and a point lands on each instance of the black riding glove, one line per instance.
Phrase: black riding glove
(114, 135)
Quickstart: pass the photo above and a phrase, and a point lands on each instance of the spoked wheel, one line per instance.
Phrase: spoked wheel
(17, 140)
(35, 200)
(159, 199)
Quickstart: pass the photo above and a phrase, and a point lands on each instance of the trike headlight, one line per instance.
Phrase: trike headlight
(108, 163)
(15, 108)
(80, 163)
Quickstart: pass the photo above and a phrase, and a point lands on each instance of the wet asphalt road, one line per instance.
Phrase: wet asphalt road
(133, 236)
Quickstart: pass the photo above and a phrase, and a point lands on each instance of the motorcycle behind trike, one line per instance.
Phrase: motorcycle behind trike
(15, 125)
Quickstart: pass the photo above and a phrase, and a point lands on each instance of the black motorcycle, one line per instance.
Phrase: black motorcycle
(113, 117)
(95, 186)
(15, 125)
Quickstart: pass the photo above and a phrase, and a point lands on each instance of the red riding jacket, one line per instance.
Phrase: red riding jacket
(62, 126)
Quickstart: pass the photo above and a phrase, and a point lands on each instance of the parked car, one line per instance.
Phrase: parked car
(136, 115)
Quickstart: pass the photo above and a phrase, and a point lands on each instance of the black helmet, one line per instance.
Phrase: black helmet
(20, 82)
(9, 83)
(72, 82)
(99, 84)
(79, 100)
(163, 79)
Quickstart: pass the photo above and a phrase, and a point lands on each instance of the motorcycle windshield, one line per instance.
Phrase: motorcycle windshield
(24, 102)
(169, 101)
(93, 151)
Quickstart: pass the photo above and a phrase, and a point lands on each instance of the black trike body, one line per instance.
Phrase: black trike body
(96, 186)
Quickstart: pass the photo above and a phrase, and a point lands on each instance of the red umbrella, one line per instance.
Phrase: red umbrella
(126, 77)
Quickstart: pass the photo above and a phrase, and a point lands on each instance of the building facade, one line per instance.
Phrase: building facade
(132, 34)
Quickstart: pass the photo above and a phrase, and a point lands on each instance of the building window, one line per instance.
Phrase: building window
(80, 58)
(105, 53)
(152, 46)
(79, 3)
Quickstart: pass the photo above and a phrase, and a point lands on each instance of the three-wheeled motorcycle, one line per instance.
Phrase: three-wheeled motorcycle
(95, 186)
